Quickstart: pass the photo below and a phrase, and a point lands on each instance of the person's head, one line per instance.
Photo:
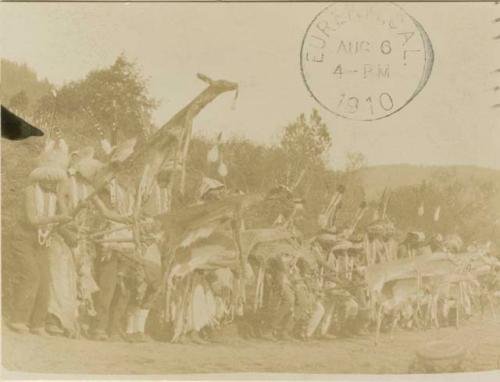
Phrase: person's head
(299, 206)
(213, 195)
(414, 239)
(51, 165)
(339, 252)
(326, 238)
(211, 189)
(216, 288)
(287, 258)
(437, 238)
(376, 230)
(84, 166)
(303, 266)
(165, 175)
(389, 229)
(342, 247)
(453, 243)
(356, 252)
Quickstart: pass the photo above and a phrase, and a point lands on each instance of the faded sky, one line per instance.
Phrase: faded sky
(258, 45)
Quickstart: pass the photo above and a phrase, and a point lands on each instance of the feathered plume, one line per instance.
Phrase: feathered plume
(122, 151)
(327, 218)
(437, 213)
(420, 211)
(359, 215)
(222, 169)
(213, 154)
(106, 146)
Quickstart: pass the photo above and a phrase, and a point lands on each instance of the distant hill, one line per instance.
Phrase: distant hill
(376, 178)
(21, 88)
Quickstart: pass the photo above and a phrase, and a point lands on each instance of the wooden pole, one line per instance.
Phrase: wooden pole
(114, 126)
(458, 305)
(299, 179)
(185, 151)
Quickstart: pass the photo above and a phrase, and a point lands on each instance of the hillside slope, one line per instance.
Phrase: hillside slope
(376, 178)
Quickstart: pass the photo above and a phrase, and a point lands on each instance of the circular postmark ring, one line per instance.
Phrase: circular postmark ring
(365, 62)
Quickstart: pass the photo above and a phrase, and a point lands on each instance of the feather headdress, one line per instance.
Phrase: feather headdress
(52, 162)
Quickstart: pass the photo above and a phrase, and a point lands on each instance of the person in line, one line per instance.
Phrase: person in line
(43, 212)
(114, 204)
(283, 318)
(146, 284)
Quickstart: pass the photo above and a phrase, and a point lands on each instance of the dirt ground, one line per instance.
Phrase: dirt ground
(231, 354)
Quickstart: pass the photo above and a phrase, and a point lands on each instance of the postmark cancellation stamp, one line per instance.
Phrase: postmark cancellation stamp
(365, 61)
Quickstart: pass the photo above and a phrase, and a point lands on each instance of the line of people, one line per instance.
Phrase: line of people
(80, 272)
(67, 283)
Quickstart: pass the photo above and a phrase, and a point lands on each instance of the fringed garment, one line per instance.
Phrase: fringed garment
(194, 306)
(62, 287)
(84, 252)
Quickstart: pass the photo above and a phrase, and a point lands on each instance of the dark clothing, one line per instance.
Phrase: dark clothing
(357, 289)
(122, 285)
(107, 270)
(304, 302)
(31, 298)
(403, 251)
(283, 320)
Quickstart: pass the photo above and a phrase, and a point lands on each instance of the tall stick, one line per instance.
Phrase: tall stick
(114, 126)
(172, 183)
(359, 215)
(299, 179)
(386, 203)
(187, 141)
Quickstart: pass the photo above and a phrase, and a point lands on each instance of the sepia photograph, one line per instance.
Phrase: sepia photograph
(250, 188)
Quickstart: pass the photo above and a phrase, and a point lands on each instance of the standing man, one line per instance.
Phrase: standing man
(283, 319)
(141, 304)
(410, 247)
(115, 204)
(43, 211)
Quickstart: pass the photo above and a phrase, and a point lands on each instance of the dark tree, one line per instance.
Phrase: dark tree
(112, 101)
(19, 102)
(304, 142)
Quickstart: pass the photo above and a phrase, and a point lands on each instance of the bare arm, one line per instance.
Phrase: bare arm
(109, 214)
(37, 221)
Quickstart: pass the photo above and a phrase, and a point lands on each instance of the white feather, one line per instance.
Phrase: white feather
(421, 210)
(437, 213)
(200, 233)
(123, 150)
(322, 220)
(213, 154)
(106, 146)
(63, 145)
(222, 170)
(49, 145)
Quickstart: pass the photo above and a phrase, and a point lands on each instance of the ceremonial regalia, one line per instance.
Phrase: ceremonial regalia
(83, 171)
(113, 269)
(380, 247)
(157, 203)
(193, 305)
(36, 238)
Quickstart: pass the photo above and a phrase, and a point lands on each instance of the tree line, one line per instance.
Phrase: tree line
(114, 103)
